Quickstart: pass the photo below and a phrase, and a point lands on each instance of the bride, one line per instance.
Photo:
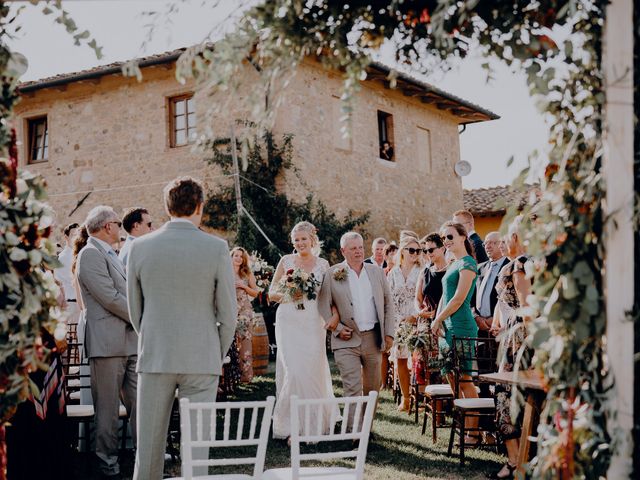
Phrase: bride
(302, 368)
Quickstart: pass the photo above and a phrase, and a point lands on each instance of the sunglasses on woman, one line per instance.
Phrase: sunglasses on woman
(446, 237)
(413, 251)
(430, 250)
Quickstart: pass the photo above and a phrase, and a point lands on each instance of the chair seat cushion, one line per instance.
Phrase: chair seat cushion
(474, 403)
(311, 473)
(438, 390)
(80, 411)
(225, 476)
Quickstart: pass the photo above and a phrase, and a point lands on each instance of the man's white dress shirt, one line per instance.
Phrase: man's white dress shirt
(364, 308)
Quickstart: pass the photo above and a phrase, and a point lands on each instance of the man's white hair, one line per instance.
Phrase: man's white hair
(98, 217)
(378, 241)
(349, 236)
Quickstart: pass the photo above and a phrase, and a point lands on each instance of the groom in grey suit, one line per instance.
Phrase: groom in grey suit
(182, 302)
(110, 341)
(361, 294)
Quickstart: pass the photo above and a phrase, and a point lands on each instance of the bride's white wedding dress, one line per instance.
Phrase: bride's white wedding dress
(302, 367)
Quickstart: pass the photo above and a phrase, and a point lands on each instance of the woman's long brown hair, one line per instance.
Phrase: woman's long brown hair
(244, 271)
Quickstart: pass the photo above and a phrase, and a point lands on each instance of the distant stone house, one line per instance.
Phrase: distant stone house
(120, 141)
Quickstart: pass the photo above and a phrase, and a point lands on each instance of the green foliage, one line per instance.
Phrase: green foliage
(276, 214)
(566, 235)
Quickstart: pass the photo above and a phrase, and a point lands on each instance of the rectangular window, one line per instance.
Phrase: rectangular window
(38, 139)
(424, 149)
(182, 120)
(385, 136)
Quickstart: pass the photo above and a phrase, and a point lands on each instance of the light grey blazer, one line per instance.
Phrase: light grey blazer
(182, 300)
(338, 293)
(103, 288)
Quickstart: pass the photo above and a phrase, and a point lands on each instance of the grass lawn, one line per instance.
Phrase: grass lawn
(398, 451)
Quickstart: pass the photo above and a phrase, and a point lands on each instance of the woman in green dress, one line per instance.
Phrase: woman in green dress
(454, 316)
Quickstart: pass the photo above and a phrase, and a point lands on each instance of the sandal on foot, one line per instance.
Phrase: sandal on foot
(510, 471)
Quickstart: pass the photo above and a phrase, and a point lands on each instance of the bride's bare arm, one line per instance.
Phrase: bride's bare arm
(274, 296)
(333, 322)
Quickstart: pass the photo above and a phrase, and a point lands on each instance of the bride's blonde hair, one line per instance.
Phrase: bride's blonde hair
(310, 229)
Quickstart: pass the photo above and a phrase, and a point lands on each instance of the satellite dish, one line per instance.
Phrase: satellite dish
(462, 168)
(17, 65)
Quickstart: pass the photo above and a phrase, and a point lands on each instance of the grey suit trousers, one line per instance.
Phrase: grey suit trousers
(156, 393)
(112, 379)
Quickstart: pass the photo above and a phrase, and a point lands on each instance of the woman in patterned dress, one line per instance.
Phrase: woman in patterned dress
(513, 288)
(402, 283)
(246, 289)
(454, 317)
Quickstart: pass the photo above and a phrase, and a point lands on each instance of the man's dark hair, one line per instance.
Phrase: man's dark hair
(182, 196)
(433, 238)
(68, 228)
(133, 216)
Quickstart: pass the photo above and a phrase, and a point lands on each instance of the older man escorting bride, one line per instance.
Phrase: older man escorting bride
(302, 367)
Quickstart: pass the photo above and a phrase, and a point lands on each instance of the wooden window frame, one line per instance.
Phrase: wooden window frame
(31, 128)
(173, 101)
(386, 133)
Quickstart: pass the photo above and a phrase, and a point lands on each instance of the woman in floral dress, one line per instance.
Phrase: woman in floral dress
(246, 289)
(402, 283)
(513, 288)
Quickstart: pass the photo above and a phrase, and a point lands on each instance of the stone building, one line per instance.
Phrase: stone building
(119, 141)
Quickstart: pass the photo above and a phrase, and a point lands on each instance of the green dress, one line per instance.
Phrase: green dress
(461, 323)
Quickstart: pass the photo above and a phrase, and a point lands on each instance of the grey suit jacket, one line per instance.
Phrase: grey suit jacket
(182, 300)
(334, 292)
(103, 288)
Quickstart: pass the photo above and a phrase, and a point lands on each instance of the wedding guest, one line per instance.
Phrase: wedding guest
(403, 279)
(79, 242)
(182, 303)
(377, 253)
(246, 289)
(465, 218)
(513, 288)
(454, 316)
(110, 341)
(64, 276)
(136, 222)
(486, 299)
(390, 250)
(429, 288)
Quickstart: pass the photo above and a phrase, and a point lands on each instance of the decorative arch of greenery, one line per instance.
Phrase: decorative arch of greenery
(563, 231)
(268, 161)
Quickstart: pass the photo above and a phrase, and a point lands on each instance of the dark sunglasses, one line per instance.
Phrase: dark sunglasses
(430, 250)
(149, 224)
(117, 223)
(446, 237)
(413, 251)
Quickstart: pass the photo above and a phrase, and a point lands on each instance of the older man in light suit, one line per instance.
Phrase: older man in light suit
(361, 294)
(182, 302)
(110, 340)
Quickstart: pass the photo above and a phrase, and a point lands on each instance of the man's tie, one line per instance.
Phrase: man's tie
(115, 258)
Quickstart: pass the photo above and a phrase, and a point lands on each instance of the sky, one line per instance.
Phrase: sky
(119, 27)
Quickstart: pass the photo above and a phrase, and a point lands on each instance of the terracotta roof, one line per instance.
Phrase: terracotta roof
(97, 72)
(407, 84)
(495, 200)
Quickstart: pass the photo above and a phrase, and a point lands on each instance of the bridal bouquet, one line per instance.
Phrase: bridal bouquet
(296, 284)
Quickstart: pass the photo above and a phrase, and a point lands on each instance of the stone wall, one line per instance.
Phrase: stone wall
(111, 137)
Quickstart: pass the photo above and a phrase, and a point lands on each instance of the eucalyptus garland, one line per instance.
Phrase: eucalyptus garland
(564, 229)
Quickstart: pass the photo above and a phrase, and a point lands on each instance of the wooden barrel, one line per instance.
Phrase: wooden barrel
(260, 345)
